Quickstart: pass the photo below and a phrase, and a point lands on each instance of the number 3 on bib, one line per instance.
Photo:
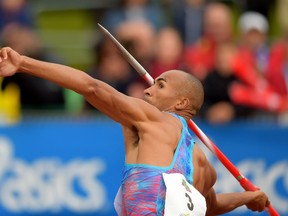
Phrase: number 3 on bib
(182, 199)
(189, 204)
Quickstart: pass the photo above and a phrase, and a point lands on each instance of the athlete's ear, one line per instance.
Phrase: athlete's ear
(182, 103)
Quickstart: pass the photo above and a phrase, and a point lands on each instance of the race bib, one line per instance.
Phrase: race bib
(182, 199)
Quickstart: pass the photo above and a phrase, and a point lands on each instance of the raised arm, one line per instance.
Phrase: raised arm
(218, 204)
(121, 108)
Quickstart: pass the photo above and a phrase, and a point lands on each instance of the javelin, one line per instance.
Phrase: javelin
(244, 182)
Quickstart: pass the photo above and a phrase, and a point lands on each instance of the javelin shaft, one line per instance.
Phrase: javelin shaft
(244, 182)
(135, 64)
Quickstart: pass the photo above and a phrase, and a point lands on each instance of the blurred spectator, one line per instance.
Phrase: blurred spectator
(277, 72)
(139, 36)
(259, 96)
(218, 107)
(168, 51)
(134, 10)
(250, 66)
(187, 18)
(15, 11)
(254, 47)
(111, 67)
(35, 93)
(200, 57)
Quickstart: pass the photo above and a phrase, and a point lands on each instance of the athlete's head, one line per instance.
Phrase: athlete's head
(176, 91)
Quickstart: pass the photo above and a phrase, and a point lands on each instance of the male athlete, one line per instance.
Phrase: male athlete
(161, 156)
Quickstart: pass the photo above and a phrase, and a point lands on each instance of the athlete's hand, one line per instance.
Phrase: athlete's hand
(259, 202)
(10, 61)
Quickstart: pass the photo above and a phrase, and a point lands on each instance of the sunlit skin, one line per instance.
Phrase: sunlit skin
(151, 134)
(162, 99)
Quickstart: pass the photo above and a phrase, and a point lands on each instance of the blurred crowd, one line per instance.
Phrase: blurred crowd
(228, 45)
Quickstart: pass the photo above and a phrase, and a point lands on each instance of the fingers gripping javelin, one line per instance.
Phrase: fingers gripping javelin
(244, 182)
(3, 55)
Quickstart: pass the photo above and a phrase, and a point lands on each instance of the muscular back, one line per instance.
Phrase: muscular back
(154, 143)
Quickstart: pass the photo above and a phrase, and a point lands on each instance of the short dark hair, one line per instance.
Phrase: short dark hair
(192, 88)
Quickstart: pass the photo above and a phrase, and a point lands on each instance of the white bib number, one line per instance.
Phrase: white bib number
(182, 199)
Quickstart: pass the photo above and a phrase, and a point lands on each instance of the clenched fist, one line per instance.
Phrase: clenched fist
(10, 61)
(259, 202)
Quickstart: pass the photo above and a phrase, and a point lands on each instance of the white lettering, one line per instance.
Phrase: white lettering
(48, 184)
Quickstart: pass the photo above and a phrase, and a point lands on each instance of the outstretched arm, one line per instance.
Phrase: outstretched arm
(222, 203)
(121, 108)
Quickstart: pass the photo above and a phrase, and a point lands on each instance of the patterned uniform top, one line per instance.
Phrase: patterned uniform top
(143, 188)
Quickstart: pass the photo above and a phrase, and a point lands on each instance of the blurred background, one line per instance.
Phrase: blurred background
(60, 156)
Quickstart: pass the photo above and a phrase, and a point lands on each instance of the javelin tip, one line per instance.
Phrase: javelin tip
(139, 68)
(104, 30)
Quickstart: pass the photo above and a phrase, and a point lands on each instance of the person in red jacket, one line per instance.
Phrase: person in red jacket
(250, 66)
(277, 69)
(199, 58)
